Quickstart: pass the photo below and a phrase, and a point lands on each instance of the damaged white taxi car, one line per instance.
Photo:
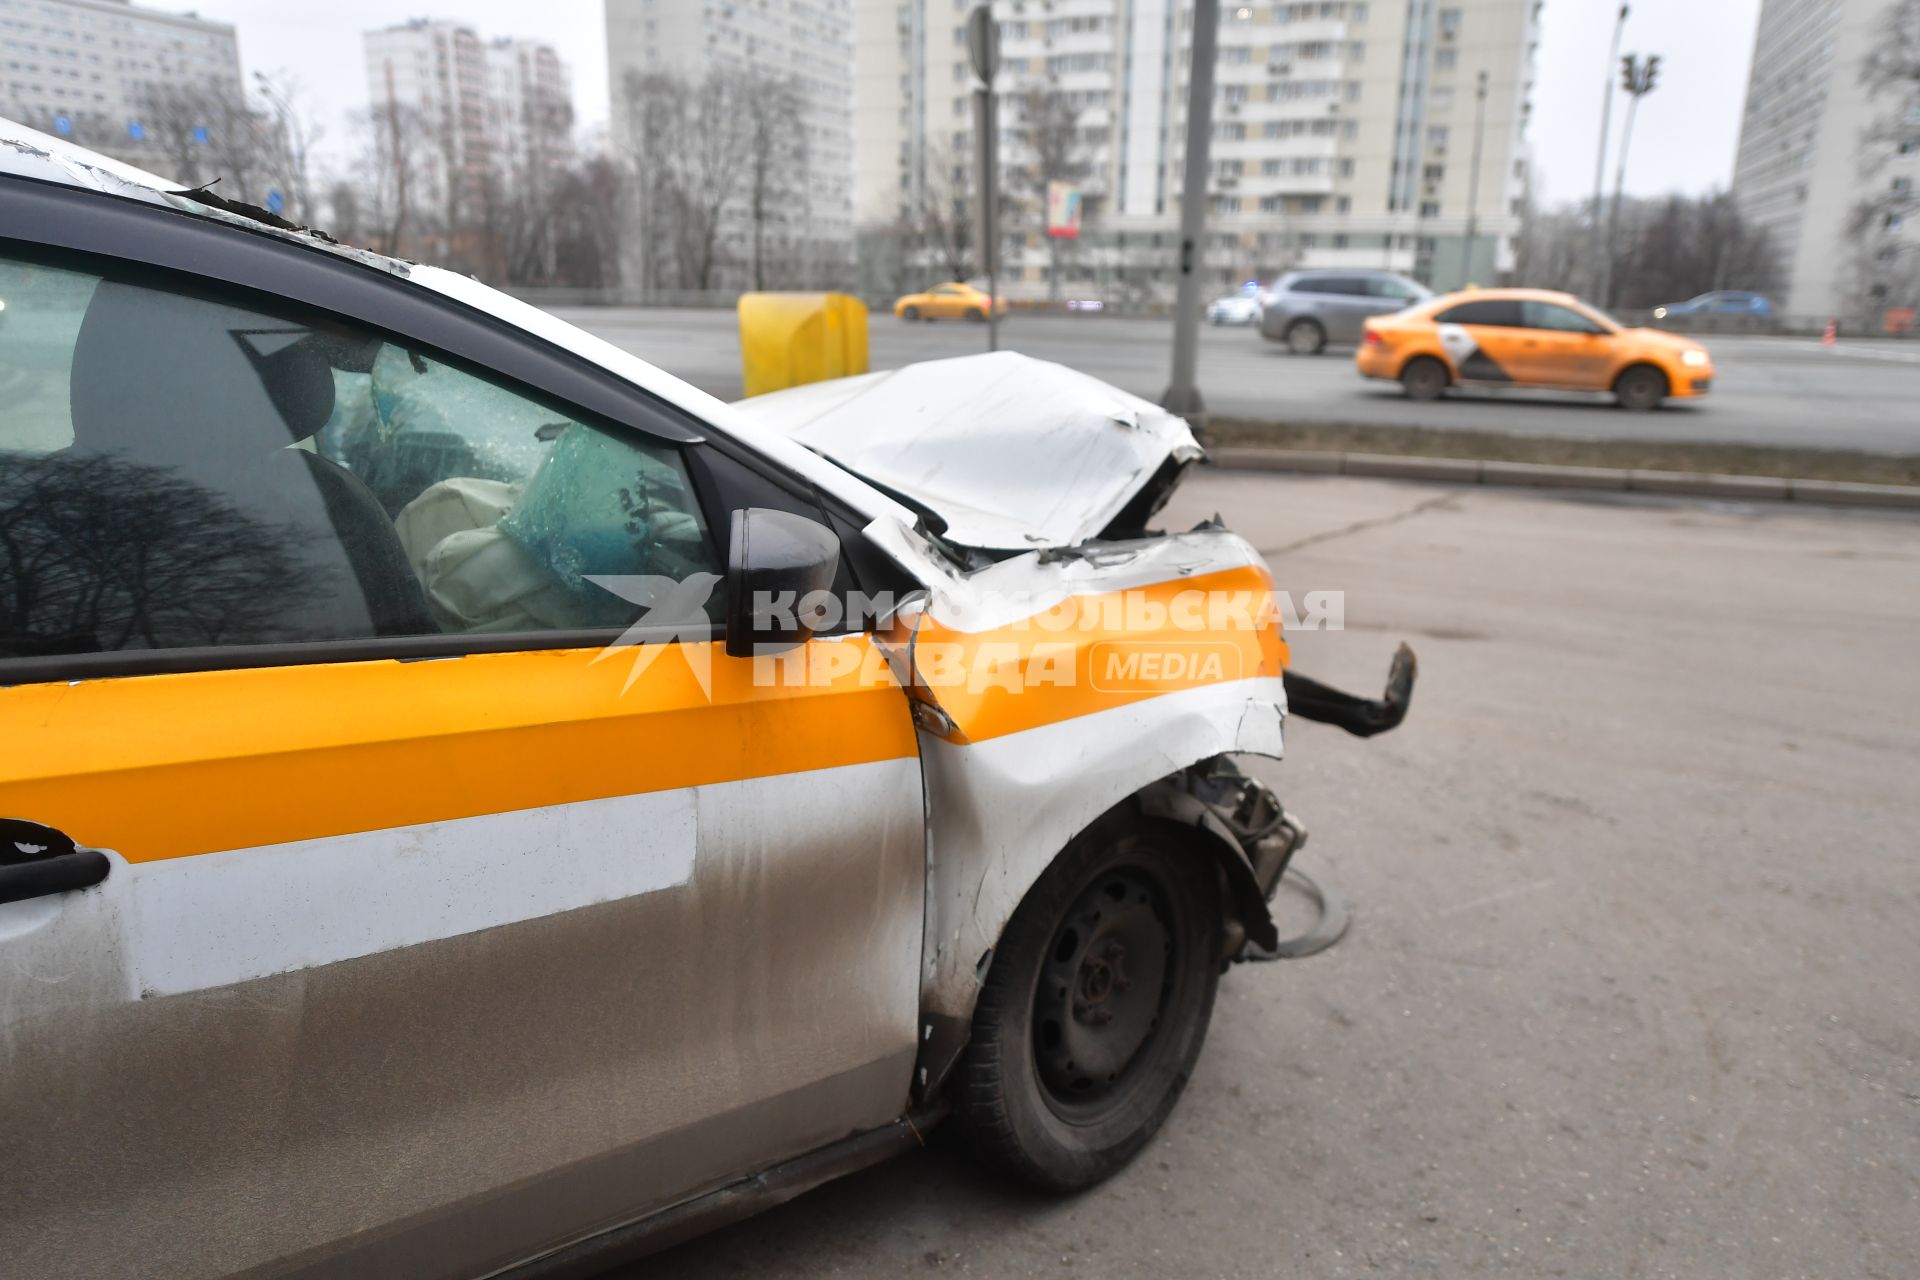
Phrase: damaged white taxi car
(473, 804)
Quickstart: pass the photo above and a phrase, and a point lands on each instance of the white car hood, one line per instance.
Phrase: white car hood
(1011, 452)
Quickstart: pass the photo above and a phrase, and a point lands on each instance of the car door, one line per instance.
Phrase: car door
(1344, 304)
(1562, 348)
(944, 302)
(462, 896)
(1483, 338)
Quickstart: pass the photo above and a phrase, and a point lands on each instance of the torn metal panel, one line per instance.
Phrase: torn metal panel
(1011, 452)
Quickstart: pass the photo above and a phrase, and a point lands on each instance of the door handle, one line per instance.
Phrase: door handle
(37, 860)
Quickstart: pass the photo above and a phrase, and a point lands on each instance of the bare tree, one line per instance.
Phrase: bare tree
(393, 153)
(586, 204)
(1050, 147)
(776, 176)
(693, 164)
(178, 119)
(344, 212)
(1670, 248)
(520, 189)
(943, 217)
(291, 141)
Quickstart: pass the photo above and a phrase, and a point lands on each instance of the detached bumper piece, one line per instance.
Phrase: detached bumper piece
(1362, 717)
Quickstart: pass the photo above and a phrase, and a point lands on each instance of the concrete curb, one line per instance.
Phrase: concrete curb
(1698, 484)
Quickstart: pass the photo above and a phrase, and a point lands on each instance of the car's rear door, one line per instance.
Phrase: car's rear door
(1343, 303)
(1484, 338)
(435, 931)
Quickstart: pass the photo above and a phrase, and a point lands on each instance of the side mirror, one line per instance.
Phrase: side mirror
(774, 559)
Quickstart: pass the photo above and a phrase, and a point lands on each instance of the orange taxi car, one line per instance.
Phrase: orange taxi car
(1529, 338)
(954, 301)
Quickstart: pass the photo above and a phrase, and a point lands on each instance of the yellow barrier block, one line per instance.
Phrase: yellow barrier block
(787, 339)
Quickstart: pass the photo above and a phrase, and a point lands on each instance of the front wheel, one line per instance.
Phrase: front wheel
(909, 313)
(1095, 1007)
(1640, 388)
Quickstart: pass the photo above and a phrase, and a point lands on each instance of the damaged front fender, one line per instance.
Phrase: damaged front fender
(1052, 687)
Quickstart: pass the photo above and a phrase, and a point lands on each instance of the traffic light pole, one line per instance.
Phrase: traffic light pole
(1637, 78)
(1183, 393)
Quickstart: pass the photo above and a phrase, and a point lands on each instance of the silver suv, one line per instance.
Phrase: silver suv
(1308, 309)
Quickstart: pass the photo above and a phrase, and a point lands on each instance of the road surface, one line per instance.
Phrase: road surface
(1630, 986)
(1779, 391)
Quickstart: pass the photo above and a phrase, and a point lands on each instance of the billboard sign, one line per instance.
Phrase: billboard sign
(1063, 211)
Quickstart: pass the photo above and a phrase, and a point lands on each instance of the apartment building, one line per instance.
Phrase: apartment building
(96, 70)
(808, 43)
(472, 108)
(1802, 169)
(1344, 131)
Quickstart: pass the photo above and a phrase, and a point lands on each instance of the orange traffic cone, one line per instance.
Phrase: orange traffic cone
(1832, 334)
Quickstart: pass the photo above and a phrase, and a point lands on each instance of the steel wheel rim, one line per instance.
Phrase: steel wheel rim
(1103, 991)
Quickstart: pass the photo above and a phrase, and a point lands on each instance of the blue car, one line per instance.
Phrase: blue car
(1721, 302)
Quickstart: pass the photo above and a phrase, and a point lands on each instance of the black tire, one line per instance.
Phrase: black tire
(1640, 388)
(1306, 338)
(976, 315)
(909, 313)
(1084, 1037)
(1424, 378)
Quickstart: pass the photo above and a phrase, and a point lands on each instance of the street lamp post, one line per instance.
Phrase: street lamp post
(1600, 157)
(1183, 392)
(983, 51)
(1473, 179)
(1637, 78)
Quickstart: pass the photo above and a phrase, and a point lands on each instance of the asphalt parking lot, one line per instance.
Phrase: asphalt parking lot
(1860, 394)
(1630, 986)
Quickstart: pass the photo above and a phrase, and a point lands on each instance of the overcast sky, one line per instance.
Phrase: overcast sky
(1684, 138)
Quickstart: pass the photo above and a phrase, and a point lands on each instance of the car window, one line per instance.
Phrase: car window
(1496, 312)
(183, 469)
(1388, 287)
(1344, 286)
(943, 290)
(1549, 315)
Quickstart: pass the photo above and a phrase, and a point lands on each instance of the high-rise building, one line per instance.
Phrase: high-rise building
(1344, 132)
(529, 105)
(1802, 172)
(462, 112)
(808, 45)
(145, 86)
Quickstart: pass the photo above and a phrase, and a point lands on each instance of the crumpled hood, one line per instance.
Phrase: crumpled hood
(1011, 452)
